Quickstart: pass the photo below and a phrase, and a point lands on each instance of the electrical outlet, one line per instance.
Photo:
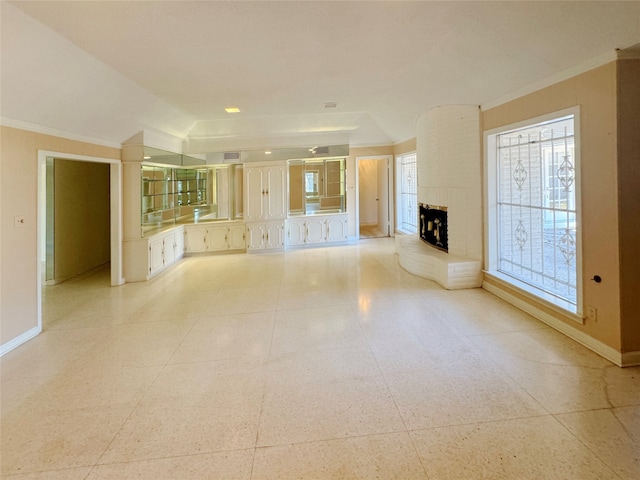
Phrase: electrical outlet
(592, 313)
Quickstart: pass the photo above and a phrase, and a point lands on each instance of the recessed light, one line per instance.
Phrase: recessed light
(147, 158)
(267, 152)
(232, 110)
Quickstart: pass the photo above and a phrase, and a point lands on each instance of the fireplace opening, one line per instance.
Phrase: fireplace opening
(433, 226)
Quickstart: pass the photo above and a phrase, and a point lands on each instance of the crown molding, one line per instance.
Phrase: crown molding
(31, 127)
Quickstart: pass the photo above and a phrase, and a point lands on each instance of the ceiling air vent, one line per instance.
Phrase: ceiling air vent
(330, 105)
(232, 155)
(321, 150)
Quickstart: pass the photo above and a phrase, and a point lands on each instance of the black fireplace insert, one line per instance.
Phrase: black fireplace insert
(433, 226)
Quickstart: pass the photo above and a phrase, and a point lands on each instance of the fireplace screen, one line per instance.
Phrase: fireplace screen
(433, 226)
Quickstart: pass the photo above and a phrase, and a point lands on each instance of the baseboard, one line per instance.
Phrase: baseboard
(19, 340)
(611, 354)
(631, 359)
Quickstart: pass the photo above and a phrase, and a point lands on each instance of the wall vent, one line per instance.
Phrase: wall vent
(232, 155)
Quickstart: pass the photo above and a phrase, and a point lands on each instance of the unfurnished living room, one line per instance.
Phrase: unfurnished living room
(320, 239)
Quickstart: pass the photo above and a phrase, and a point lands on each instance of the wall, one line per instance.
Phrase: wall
(82, 224)
(18, 196)
(628, 106)
(407, 146)
(595, 93)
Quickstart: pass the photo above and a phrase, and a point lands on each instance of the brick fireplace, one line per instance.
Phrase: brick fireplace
(449, 174)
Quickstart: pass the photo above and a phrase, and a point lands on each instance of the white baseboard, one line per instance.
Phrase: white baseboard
(19, 340)
(620, 359)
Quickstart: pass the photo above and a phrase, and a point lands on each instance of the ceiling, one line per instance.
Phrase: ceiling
(107, 70)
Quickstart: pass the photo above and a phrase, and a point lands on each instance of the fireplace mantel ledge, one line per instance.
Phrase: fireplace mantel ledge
(451, 271)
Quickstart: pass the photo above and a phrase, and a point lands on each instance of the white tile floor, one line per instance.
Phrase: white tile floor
(331, 363)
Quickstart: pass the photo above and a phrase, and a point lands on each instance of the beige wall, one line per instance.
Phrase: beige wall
(405, 147)
(82, 223)
(18, 196)
(629, 200)
(595, 93)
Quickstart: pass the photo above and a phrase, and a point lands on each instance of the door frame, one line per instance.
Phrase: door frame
(115, 215)
(390, 190)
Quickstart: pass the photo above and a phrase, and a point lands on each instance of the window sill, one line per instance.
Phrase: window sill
(559, 306)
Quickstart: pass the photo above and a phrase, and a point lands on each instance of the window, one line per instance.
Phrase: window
(533, 239)
(407, 196)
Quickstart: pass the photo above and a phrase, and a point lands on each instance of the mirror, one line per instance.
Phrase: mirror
(317, 186)
(174, 196)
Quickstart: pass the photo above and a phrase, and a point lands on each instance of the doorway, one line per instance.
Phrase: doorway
(44, 244)
(373, 197)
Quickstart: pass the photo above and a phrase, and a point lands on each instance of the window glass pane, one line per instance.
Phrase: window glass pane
(407, 198)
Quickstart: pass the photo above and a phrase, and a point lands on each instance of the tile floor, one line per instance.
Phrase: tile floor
(327, 363)
(371, 231)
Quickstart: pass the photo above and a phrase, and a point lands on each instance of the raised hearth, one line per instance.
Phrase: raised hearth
(451, 271)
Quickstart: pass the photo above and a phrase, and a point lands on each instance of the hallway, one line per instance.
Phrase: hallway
(328, 363)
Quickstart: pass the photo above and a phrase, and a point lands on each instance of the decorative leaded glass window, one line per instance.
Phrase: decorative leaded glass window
(407, 193)
(536, 217)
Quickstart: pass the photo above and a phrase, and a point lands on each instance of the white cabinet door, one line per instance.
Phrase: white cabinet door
(295, 231)
(169, 248)
(254, 194)
(274, 183)
(236, 237)
(179, 238)
(264, 188)
(274, 235)
(256, 236)
(217, 238)
(195, 240)
(156, 260)
(337, 228)
(315, 230)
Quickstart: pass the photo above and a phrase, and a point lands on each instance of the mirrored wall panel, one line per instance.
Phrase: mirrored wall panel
(317, 186)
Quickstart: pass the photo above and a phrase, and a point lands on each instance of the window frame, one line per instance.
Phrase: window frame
(492, 220)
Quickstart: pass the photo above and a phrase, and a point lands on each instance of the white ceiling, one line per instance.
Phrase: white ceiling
(106, 70)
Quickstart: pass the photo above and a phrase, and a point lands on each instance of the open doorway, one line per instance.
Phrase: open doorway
(79, 219)
(373, 196)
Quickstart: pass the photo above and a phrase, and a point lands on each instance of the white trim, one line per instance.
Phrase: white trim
(582, 338)
(553, 79)
(561, 307)
(32, 127)
(115, 194)
(20, 339)
(397, 170)
(390, 193)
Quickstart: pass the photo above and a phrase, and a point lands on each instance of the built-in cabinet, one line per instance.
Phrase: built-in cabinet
(146, 257)
(165, 249)
(265, 236)
(214, 237)
(174, 205)
(265, 188)
(316, 229)
(265, 205)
